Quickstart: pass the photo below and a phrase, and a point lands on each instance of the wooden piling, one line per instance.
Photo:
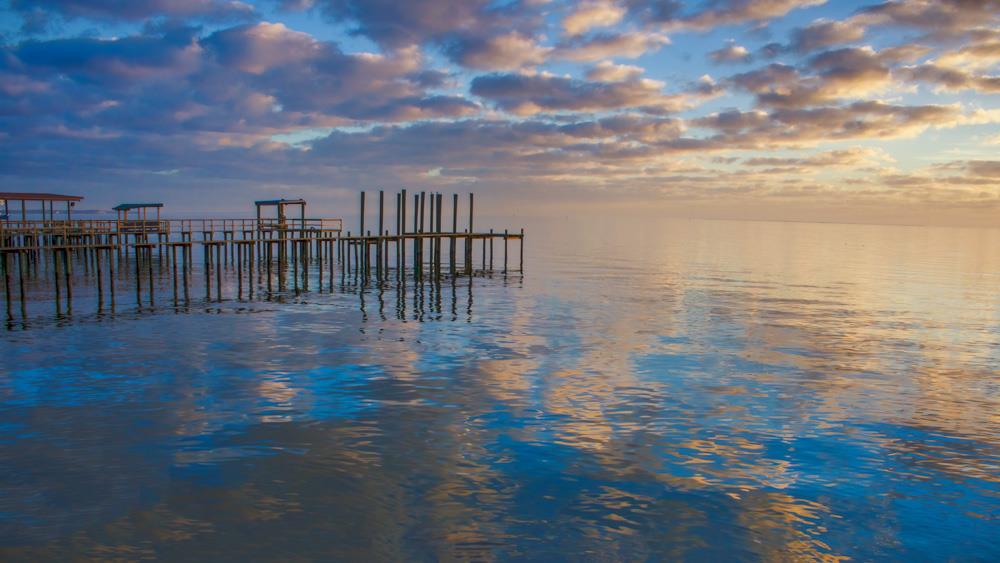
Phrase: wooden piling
(402, 233)
(149, 269)
(437, 240)
(22, 268)
(520, 263)
(67, 271)
(6, 285)
(505, 252)
(468, 241)
(379, 243)
(416, 240)
(454, 229)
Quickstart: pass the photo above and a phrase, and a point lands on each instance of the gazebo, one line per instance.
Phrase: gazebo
(141, 223)
(47, 200)
(281, 204)
(141, 209)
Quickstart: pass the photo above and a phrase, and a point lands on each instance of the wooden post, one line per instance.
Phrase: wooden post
(218, 272)
(361, 231)
(330, 244)
(250, 266)
(66, 274)
(149, 253)
(267, 260)
(520, 263)
(100, 279)
(111, 277)
(423, 199)
(239, 272)
(437, 244)
(295, 264)
(468, 254)
(379, 241)
(398, 229)
(302, 219)
(259, 231)
(6, 285)
(207, 255)
(401, 244)
(468, 240)
(22, 267)
(430, 229)
(454, 230)
(416, 239)
(173, 266)
(505, 252)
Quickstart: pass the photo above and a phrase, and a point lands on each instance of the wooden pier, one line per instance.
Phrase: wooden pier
(266, 254)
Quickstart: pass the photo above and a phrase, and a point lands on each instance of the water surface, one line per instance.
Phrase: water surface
(698, 390)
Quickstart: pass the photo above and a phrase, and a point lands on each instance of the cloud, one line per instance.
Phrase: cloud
(939, 18)
(245, 82)
(671, 13)
(851, 72)
(606, 71)
(589, 15)
(630, 44)
(821, 34)
(628, 126)
(646, 153)
(111, 62)
(731, 53)
(394, 23)
(859, 120)
(509, 51)
(951, 79)
(979, 54)
(256, 48)
(984, 168)
(842, 158)
(137, 10)
(527, 94)
(582, 152)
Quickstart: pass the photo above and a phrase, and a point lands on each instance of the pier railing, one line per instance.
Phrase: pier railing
(84, 233)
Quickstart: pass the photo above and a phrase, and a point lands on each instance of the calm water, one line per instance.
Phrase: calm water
(703, 391)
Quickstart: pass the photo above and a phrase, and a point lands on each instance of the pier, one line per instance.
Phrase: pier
(424, 236)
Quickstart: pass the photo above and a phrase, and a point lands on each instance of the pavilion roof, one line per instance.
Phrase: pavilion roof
(128, 206)
(264, 202)
(37, 196)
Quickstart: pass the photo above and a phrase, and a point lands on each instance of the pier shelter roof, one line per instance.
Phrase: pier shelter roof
(33, 196)
(130, 206)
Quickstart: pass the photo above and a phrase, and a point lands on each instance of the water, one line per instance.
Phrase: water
(696, 390)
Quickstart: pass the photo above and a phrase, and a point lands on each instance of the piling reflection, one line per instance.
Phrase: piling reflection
(239, 280)
(726, 395)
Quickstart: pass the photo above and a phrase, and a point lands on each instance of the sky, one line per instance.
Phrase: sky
(807, 110)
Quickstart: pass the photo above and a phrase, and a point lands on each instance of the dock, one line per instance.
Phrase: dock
(276, 250)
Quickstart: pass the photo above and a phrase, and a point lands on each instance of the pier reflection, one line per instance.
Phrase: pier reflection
(147, 283)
